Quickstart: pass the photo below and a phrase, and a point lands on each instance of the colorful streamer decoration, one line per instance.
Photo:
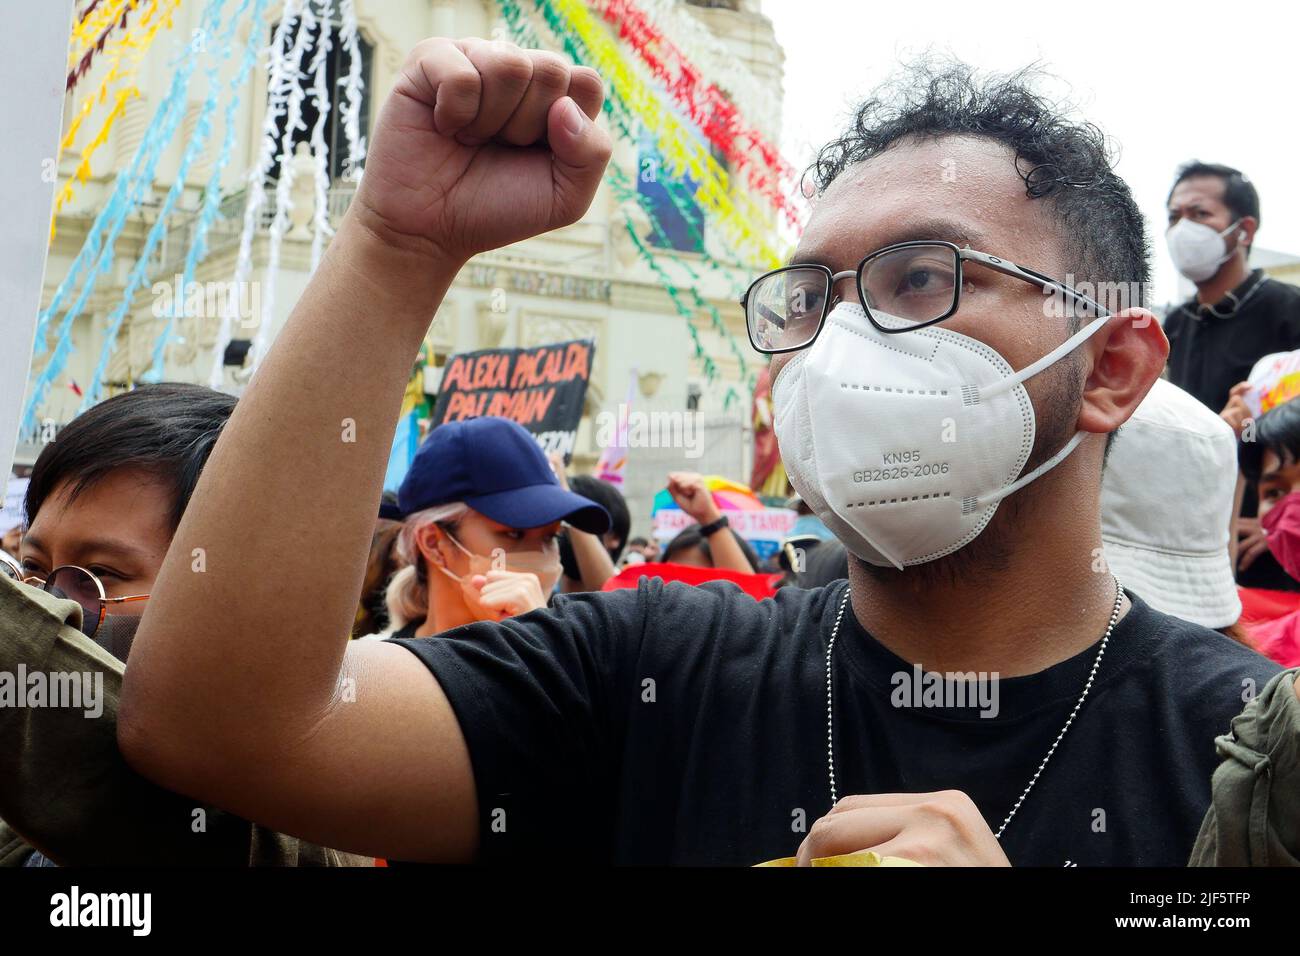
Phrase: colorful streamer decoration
(626, 193)
(90, 8)
(284, 71)
(97, 46)
(675, 190)
(90, 26)
(353, 85)
(210, 207)
(659, 89)
(139, 272)
(137, 45)
(320, 96)
(97, 251)
(255, 201)
(706, 105)
(713, 58)
(746, 227)
(284, 184)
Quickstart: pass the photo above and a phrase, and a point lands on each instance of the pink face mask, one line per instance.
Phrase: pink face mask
(1282, 526)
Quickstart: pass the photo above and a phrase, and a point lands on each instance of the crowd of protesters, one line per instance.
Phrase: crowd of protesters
(1078, 504)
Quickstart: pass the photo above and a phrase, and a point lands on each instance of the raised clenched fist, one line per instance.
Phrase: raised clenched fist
(481, 144)
(693, 496)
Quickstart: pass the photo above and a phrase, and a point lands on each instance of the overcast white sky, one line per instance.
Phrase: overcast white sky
(1215, 81)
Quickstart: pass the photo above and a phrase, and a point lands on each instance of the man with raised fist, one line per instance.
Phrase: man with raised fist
(671, 724)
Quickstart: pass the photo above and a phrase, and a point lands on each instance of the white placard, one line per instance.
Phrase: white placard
(12, 514)
(764, 528)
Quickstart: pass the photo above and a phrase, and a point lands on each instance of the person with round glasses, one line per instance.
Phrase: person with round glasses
(10, 568)
(102, 506)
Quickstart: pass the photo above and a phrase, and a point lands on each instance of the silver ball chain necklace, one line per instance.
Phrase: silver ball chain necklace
(830, 710)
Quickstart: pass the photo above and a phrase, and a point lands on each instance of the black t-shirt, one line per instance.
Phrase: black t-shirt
(687, 725)
(1208, 355)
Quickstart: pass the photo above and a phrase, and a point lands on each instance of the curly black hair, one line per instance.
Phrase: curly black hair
(1065, 162)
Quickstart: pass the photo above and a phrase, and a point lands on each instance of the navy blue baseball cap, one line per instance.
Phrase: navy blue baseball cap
(497, 468)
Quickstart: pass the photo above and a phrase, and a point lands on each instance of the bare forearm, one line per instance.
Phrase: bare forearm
(594, 564)
(727, 554)
(723, 546)
(242, 637)
(241, 685)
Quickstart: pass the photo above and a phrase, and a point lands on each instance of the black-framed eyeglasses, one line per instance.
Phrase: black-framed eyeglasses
(905, 286)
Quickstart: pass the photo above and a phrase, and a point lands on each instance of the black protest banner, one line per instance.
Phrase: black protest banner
(542, 388)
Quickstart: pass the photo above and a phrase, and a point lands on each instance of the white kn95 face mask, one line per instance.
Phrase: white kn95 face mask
(905, 444)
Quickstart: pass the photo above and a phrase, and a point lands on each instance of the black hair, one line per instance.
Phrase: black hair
(1239, 193)
(638, 542)
(690, 537)
(168, 429)
(1278, 431)
(1064, 162)
(827, 562)
(605, 494)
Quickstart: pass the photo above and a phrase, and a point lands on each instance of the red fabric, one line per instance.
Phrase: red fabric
(1259, 605)
(1279, 640)
(757, 586)
(1272, 618)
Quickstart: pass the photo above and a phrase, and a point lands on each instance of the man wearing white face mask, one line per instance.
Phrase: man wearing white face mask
(943, 404)
(1238, 315)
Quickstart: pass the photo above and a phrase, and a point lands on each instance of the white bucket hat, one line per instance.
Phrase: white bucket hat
(1166, 507)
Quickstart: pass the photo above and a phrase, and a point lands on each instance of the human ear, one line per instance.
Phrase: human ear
(430, 539)
(1246, 230)
(1128, 354)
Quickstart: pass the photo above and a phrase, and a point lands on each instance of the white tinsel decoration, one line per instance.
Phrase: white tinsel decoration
(284, 185)
(353, 84)
(255, 201)
(320, 149)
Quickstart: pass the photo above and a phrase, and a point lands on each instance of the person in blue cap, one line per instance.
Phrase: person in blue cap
(482, 509)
